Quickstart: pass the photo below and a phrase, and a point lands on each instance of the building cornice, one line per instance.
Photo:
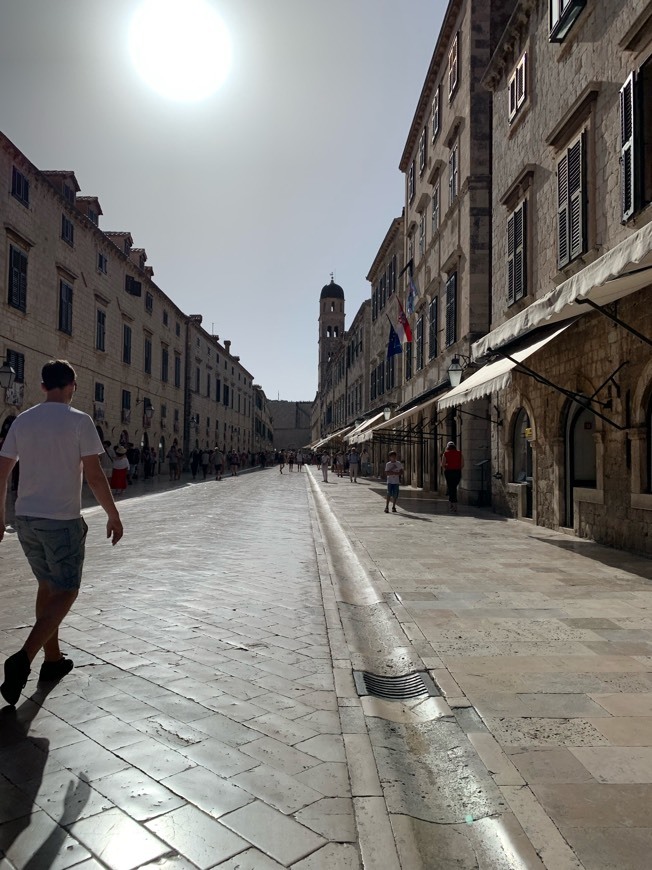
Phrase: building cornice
(511, 37)
(439, 56)
(392, 233)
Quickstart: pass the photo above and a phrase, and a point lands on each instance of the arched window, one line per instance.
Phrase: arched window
(328, 332)
(332, 306)
(336, 331)
(522, 449)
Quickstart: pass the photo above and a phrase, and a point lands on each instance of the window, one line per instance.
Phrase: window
(165, 318)
(208, 384)
(453, 66)
(100, 329)
(571, 205)
(563, 14)
(451, 309)
(177, 370)
(372, 385)
(521, 449)
(65, 307)
(407, 350)
(226, 396)
(380, 378)
(177, 329)
(436, 205)
(411, 182)
(436, 120)
(126, 400)
(390, 377)
(133, 287)
(102, 263)
(17, 279)
(148, 355)
(149, 302)
(17, 362)
(99, 392)
(517, 88)
(67, 230)
(432, 328)
(68, 194)
(422, 234)
(636, 141)
(126, 343)
(218, 390)
(392, 280)
(419, 344)
(165, 364)
(453, 173)
(197, 379)
(19, 186)
(93, 216)
(516, 255)
(422, 151)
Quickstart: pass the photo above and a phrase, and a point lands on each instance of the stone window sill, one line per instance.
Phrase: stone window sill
(642, 501)
(593, 496)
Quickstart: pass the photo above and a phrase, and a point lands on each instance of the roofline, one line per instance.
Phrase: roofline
(450, 16)
(394, 227)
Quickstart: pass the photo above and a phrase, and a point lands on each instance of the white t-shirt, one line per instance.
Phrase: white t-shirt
(393, 471)
(49, 441)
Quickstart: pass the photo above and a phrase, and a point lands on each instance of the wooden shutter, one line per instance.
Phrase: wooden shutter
(520, 283)
(627, 149)
(451, 310)
(576, 194)
(510, 260)
(18, 279)
(563, 251)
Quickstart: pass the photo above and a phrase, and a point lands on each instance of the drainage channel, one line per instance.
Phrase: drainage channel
(443, 808)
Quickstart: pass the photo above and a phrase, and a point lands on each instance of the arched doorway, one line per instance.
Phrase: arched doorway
(522, 457)
(581, 464)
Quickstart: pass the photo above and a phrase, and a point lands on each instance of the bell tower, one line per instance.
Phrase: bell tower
(331, 325)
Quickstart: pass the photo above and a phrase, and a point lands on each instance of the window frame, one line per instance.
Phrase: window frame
(562, 16)
(17, 279)
(451, 309)
(436, 206)
(453, 66)
(433, 326)
(423, 150)
(147, 354)
(65, 307)
(17, 361)
(126, 343)
(572, 202)
(411, 182)
(67, 230)
(517, 254)
(100, 329)
(436, 113)
(517, 88)
(19, 186)
(453, 172)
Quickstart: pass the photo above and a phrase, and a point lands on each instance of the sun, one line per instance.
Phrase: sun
(181, 48)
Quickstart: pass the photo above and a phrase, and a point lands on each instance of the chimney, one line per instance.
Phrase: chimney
(227, 347)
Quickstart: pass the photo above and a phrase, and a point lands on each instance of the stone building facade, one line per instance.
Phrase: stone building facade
(572, 270)
(446, 286)
(77, 292)
(291, 423)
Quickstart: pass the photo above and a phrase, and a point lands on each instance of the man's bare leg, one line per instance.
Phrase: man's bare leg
(52, 606)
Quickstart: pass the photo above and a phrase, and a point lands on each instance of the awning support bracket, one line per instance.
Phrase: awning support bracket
(575, 397)
(615, 319)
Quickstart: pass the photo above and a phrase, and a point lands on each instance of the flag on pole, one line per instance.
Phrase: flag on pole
(413, 291)
(403, 323)
(394, 343)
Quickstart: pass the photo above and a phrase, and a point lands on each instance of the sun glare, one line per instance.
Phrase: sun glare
(181, 48)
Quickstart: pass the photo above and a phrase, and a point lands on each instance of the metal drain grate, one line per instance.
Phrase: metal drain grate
(395, 688)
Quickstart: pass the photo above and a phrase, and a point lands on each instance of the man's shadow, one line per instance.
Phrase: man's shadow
(15, 747)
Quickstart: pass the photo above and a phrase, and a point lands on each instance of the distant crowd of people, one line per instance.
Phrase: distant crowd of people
(125, 463)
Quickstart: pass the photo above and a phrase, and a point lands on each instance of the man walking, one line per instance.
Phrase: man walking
(354, 465)
(55, 444)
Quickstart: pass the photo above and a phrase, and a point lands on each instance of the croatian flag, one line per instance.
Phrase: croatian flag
(403, 324)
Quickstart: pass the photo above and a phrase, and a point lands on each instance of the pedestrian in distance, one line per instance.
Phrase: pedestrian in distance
(364, 462)
(281, 461)
(205, 462)
(234, 462)
(299, 460)
(354, 464)
(120, 470)
(339, 463)
(219, 463)
(56, 445)
(173, 461)
(291, 460)
(195, 458)
(325, 462)
(452, 463)
(393, 474)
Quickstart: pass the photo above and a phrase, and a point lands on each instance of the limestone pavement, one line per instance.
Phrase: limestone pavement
(212, 720)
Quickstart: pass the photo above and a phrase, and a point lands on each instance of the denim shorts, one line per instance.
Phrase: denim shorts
(54, 549)
(392, 490)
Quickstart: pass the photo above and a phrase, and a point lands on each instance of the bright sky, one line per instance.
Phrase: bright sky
(247, 200)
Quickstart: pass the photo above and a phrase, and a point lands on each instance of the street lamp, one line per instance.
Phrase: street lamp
(455, 370)
(387, 412)
(7, 375)
(148, 409)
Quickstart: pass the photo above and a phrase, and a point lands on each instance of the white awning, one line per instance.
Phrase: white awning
(361, 432)
(332, 437)
(621, 271)
(418, 409)
(492, 377)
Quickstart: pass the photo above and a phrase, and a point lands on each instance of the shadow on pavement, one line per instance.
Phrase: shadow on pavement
(621, 559)
(22, 762)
